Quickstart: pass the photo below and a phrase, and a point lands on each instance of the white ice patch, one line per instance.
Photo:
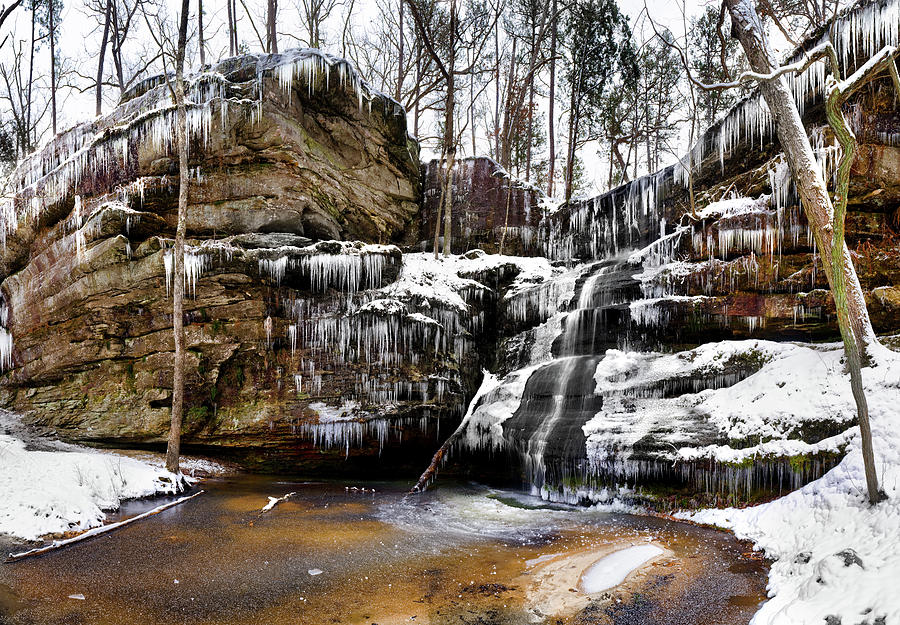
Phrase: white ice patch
(614, 568)
(736, 207)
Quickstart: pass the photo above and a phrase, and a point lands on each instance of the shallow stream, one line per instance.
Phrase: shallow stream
(365, 553)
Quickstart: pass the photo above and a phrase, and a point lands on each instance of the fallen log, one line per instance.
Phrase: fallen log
(488, 383)
(97, 531)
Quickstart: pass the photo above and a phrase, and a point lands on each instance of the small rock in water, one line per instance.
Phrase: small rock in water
(315, 571)
(79, 596)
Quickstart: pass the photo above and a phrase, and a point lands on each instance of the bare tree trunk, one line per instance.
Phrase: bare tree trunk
(506, 218)
(853, 317)
(449, 130)
(497, 91)
(506, 139)
(448, 205)
(173, 450)
(418, 82)
(52, 25)
(853, 348)
(271, 33)
(573, 135)
(551, 138)
(530, 112)
(30, 142)
(472, 107)
(232, 30)
(117, 49)
(106, 19)
(440, 207)
(201, 43)
(399, 92)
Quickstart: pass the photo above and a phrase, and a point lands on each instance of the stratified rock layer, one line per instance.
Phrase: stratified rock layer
(285, 150)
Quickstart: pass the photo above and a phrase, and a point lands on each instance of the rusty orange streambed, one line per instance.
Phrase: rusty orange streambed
(330, 554)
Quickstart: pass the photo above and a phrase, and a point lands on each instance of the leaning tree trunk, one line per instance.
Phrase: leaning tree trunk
(201, 43)
(853, 317)
(174, 447)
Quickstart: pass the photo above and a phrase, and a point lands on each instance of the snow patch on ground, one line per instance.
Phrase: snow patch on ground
(614, 568)
(58, 490)
(834, 554)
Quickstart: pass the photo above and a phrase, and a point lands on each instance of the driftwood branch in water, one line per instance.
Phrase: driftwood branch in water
(429, 473)
(97, 531)
(488, 383)
(274, 501)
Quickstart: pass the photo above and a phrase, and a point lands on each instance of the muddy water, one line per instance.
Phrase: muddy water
(330, 554)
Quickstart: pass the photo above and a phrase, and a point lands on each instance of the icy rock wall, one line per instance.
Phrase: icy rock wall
(653, 280)
(291, 156)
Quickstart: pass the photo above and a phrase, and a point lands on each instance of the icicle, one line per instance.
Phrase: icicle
(6, 349)
(195, 263)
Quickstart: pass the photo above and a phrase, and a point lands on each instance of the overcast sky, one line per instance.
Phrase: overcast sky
(79, 43)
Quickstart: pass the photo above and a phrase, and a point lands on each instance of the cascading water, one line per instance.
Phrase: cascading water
(559, 398)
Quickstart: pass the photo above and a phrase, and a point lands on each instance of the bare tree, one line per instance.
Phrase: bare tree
(416, 81)
(201, 43)
(271, 31)
(17, 78)
(232, 27)
(522, 69)
(796, 19)
(174, 447)
(262, 43)
(121, 40)
(551, 115)
(5, 12)
(159, 31)
(51, 26)
(107, 19)
(464, 29)
(313, 14)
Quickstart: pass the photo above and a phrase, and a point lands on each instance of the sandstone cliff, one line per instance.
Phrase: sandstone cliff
(285, 150)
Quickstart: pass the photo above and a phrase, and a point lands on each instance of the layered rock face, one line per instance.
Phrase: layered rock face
(282, 331)
(491, 209)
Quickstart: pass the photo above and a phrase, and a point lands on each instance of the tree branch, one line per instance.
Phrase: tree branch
(7, 11)
(420, 24)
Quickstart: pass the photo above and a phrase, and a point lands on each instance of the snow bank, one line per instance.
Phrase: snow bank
(47, 492)
(834, 554)
(800, 384)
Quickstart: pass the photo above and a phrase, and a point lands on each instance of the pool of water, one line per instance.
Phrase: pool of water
(366, 553)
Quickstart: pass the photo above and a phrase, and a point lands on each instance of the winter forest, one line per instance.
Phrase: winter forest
(450, 312)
